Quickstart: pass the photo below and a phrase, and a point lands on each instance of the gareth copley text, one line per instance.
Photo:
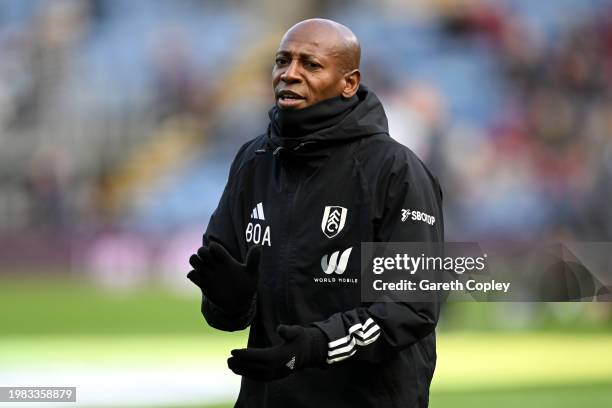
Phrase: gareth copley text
(470, 285)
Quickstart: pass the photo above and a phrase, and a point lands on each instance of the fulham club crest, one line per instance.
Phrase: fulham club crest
(333, 220)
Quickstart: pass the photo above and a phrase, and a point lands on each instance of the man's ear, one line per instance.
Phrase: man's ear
(351, 83)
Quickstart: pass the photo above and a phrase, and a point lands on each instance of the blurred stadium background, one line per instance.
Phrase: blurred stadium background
(118, 121)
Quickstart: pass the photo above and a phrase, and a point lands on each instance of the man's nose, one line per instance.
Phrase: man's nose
(292, 73)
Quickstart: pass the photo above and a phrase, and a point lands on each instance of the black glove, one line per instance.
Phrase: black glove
(226, 282)
(301, 347)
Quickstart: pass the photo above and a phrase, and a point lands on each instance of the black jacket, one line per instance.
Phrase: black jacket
(311, 201)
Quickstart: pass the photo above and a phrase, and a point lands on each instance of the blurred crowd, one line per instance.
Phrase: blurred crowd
(123, 116)
(544, 169)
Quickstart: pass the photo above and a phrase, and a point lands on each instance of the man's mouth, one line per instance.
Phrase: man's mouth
(289, 99)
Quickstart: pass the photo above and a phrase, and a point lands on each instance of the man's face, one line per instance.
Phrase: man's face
(306, 69)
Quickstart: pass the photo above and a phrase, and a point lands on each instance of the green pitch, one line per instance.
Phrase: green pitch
(57, 323)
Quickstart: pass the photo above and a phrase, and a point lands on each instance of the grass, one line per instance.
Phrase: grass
(51, 307)
(60, 308)
(552, 396)
(51, 323)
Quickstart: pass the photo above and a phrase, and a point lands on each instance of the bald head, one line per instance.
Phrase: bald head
(338, 38)
(316, 59)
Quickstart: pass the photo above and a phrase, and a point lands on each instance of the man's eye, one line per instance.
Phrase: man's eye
(312, 65)
(281, 61)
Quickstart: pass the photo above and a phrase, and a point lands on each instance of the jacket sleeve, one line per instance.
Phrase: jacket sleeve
(221, 230)
(374, 332)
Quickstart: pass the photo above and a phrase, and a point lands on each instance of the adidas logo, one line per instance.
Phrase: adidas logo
(257, 232)
(258, 212)
(291, 363)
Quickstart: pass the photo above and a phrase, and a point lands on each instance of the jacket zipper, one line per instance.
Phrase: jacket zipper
(290, 257)
(286, 264)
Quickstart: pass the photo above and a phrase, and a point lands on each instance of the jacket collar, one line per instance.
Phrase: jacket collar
(314, 130)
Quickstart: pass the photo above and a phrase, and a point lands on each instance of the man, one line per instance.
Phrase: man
(282, 251)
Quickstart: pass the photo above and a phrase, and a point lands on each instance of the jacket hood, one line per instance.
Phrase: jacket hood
(363, 117)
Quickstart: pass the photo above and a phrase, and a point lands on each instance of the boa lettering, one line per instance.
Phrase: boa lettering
(254, 234)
